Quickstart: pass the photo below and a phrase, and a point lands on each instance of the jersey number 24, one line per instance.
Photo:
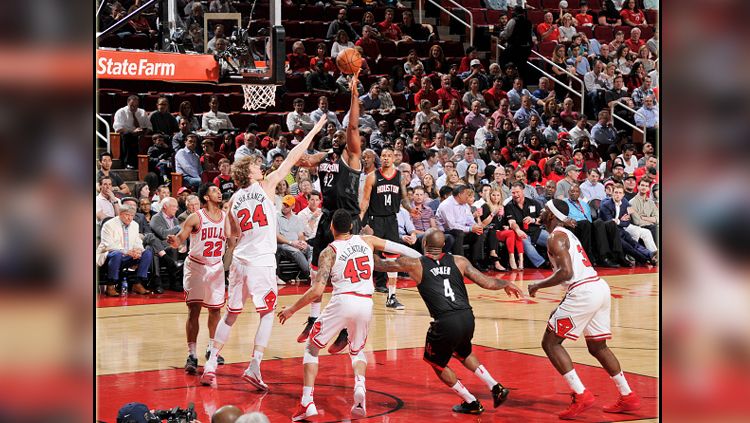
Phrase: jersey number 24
(259, 217)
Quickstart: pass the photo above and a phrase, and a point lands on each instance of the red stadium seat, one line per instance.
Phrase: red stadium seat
(647, 32)
(603, 34)
(478, 15)
(586, 30)
(493, 16)
(536, 17)
(652, 16)
(546, 48)
(595, 5)
(388, 49)
(536, 4)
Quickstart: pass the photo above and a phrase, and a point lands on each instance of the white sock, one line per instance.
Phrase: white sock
(307, 395)
(486, 377)
(258, 356)
(210, 344)
(574, 381)
(359, 380)
(462, 392)
(391, 290)
(314, 310)
(191, 349)
(622, 384)
(220, 338)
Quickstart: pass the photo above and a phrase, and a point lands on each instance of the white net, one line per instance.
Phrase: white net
(259, 96)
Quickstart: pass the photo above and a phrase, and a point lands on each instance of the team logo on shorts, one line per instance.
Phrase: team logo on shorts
(563, 325)
(270, 300)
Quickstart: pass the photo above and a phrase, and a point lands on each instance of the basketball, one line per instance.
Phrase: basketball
(349, 61)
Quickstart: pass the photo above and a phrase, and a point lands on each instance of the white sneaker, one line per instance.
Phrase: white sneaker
(359, 409)
(252, 376)
(304, 412)
(208, 378)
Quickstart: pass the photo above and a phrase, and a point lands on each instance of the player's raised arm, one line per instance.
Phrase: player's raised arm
(353, 140)
(192, 222)
(325, 263)
(273, 178)
(311, 160)
(364, 204)
(386, 246)
(485, 281)
(557, 246)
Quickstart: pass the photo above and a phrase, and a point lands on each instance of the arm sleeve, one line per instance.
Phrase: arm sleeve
(396, 248)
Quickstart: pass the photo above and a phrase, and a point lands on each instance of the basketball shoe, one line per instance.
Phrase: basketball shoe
(306, 331)
(469, 408)
(579, 403)
(499, 395)
(219, 359)
(393, 303)
(304, 412)
(208, 378)
(359, 408)
(191, 365)
(252, 376)
(625, 403)
(340, 342)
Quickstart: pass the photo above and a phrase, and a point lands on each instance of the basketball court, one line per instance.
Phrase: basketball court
(141, 352)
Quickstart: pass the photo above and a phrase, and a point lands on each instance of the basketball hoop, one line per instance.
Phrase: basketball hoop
(259, 96)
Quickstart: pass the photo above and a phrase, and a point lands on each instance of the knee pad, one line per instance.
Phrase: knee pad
(360, 356)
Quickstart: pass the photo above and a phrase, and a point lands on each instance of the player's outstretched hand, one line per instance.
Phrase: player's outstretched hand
(284, 315)
(532, 290)
(320, 124)
(367, 230)
(512, 290)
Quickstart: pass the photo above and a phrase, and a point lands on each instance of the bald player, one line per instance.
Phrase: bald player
(440, 281)
(584, 310)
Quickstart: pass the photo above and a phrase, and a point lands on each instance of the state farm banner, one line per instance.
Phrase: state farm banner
(111, 64)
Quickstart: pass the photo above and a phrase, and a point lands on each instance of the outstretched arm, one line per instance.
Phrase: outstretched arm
(190, 224)
(409, 265)
(325, 263)
(557, 246)
(273, 178)
(311, 160)
(386, 246)
(353, 140)
(484, 281)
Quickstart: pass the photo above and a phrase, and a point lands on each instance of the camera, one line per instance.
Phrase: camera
(175, 415)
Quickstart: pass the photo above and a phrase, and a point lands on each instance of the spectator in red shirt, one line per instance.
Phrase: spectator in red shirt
(426, 92)
(455, 111)
(302, 199)
(635, 42)
(328, 64)
(471, 54)
(547, 30)
(210, 158)
(651, 168)
(446, 94)
(299, 61)
(632, 15)
(415, 83)
(388, 29)
(493, 96)
(584, 17)
(369, 44)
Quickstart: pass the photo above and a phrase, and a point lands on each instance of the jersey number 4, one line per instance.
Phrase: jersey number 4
(213, 249)
(585, 260)
(259, 217)
(448, 291)
(357, 269)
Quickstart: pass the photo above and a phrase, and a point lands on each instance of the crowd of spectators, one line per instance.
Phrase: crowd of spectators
(481, 154)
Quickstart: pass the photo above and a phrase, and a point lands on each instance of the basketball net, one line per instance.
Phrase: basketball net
(259, 96)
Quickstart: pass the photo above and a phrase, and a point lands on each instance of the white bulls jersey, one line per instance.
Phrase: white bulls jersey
(208, 242)
(256, 215)
(582, 268)
(352, 270)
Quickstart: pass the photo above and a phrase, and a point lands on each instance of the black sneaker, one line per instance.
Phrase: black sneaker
(381, 289)
(219, 358)
(306, 331)
(393, 303)
(467, 408)
(340, 342)
(191, 365)
(499, 395)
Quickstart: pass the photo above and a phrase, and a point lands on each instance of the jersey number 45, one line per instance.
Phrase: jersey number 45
(357, 269)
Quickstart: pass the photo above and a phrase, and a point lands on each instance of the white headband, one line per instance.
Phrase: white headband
(558, 214)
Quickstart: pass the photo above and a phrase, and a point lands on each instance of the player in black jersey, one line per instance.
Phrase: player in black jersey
(339, 173)
(440, 281)
(384, 194)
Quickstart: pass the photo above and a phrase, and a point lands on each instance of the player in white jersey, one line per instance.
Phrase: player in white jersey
(584, 310)
(348, 263)
(252, 274)
(203, 279)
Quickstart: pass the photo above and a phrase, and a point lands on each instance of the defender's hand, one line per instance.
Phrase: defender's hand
(532, 290)
(511, 289)
(284, 315)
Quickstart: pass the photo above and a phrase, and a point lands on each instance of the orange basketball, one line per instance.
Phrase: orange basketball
(349, 61)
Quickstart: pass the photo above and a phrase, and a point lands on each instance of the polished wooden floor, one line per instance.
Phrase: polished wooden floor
(135, 340)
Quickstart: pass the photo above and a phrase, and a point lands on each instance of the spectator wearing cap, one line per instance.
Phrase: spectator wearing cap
(455, 217)
(188, 162)
(571, 178)
(628, 158)
(599, 239)
(523, 214)
(603, 133)
(618, 172)
(291, 237)
(298, 119)
(120, 248)
(476, 71)
(591, 188)
(629, 183)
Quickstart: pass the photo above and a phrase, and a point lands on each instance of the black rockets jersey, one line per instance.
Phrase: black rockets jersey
(442, 287)
(339, 185)
(385, 197)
